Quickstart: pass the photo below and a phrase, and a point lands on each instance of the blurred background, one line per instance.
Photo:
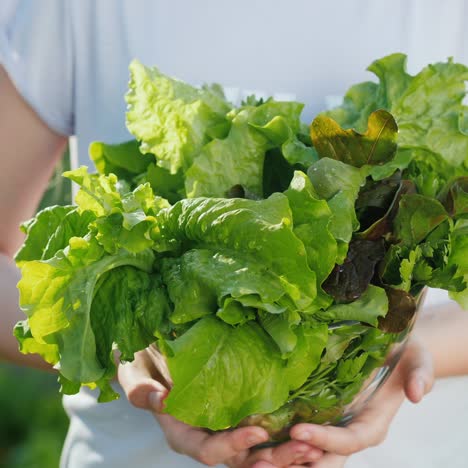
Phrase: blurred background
(33, 423)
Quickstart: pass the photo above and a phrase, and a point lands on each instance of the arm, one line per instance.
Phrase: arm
(29, 152)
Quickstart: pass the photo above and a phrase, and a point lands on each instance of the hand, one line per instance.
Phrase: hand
(413, 377)
(146, 382)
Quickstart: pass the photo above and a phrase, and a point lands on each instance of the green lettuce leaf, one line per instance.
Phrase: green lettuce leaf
(51, 230)
(339, 184)
(239, 158)
(311, 341)
(262, 229)
(200, 281)
(123, 159)
(417, 216)
(243, 358)
(124, 219)
(312, 219)
(163, 183)
(371, 305)
(56, 295)
(281, 329)
(170, 117)
(459, 259)
(137, 313)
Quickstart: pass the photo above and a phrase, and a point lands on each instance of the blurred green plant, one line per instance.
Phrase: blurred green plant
(33, 423)
(59, 189)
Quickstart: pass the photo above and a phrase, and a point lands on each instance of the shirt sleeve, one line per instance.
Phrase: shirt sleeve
(36, 50)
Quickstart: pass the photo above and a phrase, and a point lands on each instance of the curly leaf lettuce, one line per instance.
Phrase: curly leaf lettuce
(428, 107)
(170, 117)
(57, 294)
(239, 157)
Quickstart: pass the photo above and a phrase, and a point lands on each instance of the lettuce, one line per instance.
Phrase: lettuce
(274, 266)
(428, 107)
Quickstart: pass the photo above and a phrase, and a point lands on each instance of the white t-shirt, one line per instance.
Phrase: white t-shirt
(69, 60)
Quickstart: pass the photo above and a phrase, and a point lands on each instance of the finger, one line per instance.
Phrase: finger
(313, 455)
(330, 460)
(418, 372)
(286, 454)
(209, 449)
(160, 370)
(360, 434)
(141, 389)
(264, 464)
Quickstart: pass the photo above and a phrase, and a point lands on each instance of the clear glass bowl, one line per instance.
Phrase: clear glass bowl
(297, 410)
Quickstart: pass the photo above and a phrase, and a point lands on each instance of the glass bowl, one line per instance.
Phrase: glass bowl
(323, 408)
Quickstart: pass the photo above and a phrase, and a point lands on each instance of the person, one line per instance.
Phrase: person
(64, 72)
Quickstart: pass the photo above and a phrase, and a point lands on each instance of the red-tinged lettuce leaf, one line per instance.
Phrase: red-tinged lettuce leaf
(375, 198)
(232, 372)
(428, 107)
(348, 281)
(401, 311)
(376, 146)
